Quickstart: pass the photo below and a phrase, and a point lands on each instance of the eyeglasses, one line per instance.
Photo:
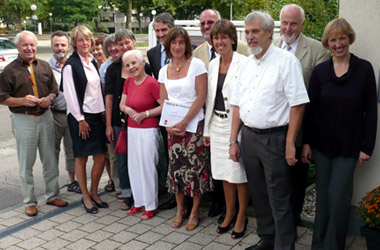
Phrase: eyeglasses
(208, 23)
(83, 40)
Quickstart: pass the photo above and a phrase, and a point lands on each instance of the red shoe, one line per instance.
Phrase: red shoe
(148, 215)
(134, 210)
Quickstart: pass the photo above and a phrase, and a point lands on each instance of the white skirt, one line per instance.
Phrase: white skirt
(222, 166)
(142, 161)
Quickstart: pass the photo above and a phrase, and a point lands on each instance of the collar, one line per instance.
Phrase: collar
(22, 62)
(269, 51)
(90, 58)
(162, 48)
(209, 49)
(293, 45)
(54, 64)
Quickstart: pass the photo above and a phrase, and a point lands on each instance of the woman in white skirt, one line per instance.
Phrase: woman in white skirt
(140, 101)
(222, 75)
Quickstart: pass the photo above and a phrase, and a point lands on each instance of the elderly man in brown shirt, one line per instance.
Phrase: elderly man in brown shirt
(27, 87)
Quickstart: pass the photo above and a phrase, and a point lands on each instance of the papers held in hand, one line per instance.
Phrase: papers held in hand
(172, 113)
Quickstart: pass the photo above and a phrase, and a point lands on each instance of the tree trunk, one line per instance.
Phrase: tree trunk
(19, 19)
(129, 14)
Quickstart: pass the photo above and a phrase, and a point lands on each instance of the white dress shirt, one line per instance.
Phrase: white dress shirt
(93, 97)
(183, 90)
(209, 52)
(268, 87)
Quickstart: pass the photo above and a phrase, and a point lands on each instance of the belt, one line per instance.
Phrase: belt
(59, 111)
(221, 114)
(268, 130)
(35, 113)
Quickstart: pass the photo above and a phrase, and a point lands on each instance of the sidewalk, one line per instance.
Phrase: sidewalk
(73, 228)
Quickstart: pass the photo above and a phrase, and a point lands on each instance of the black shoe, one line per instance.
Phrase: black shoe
(101, 204)
(221, 230)
(74, 187)
(93, 210)
(110, 186)
(235, 235)
(171, 203)
(261, 245)
(215, 209)
(222, 217)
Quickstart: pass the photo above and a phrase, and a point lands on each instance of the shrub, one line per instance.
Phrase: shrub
(369, 209)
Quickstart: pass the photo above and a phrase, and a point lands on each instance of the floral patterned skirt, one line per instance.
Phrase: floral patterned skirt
(189, 170)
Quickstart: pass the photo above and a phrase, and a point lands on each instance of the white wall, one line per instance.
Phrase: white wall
(364, 17)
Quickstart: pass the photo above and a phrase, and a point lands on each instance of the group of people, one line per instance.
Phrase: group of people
(262, 109)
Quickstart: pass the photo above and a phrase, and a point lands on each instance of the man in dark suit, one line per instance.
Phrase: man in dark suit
(157, 59)
(310, 53)
(156, 55)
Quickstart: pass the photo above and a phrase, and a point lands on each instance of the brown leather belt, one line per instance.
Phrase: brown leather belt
(268, 130)
(35, 113)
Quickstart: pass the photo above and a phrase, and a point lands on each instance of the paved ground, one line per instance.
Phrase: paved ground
(57, 228)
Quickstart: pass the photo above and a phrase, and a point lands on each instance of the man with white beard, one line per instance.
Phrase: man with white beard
(61, 47)
(310, 53)
(268, 102)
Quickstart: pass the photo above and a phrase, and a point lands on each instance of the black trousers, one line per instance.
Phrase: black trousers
(269, 186)
(298, 178)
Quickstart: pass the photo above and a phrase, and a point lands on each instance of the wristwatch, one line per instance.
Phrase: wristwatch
(233, 142)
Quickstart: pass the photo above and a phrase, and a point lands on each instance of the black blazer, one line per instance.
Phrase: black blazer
(154, 57)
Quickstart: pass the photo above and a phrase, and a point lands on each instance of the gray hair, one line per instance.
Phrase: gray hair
(213, 10)
(302, 12)
(59, 33)
(109, 39)
(134, 52)
(267, 22)
(22, 33)
(164, 18)
(124, 33)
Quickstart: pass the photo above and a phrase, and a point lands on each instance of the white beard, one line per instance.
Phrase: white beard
(288, 40)
(255, 51)
(61, 55)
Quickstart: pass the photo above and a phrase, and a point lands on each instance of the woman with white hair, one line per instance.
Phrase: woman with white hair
(140, 101)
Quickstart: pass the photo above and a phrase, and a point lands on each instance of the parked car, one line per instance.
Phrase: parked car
(8, 52)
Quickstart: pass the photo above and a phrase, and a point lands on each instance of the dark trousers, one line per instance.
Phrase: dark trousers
(334, 182)
(298, 178)
(269, 186)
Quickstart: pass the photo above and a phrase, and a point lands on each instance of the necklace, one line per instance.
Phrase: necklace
(179, 68)
(138, 82)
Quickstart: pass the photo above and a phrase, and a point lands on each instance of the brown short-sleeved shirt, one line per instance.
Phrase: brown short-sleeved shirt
(15, 81)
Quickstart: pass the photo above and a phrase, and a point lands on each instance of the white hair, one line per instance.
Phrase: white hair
(302, 12)
(22, 33)
(134, 52)
(213, 10)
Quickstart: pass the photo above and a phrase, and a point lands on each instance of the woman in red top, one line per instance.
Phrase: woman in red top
(140, 101)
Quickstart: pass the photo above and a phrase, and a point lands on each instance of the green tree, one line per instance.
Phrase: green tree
(14, 11)
(318, 12)
(75, 11)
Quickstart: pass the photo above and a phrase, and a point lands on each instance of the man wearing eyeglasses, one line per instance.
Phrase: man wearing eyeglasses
(205, 51)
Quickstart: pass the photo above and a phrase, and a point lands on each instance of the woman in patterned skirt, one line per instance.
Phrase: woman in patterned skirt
(184, 81)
